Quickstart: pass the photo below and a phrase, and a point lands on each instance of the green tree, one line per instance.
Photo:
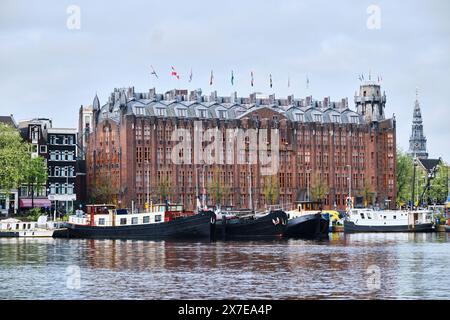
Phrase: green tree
(368, 193)
(439, 186)
(271, 189)
(318, 189)
(405, 169)
(14, 158)
(104, 190)
(164, 188)
(217, 190)
(35, 175)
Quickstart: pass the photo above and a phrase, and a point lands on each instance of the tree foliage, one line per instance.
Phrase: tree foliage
(217, 190)
(405, 169)
(318, 188)
(164, 188)
(104, 190)
(16, 165)
(271, 189)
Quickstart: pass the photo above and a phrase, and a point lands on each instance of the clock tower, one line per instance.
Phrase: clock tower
(417, 141)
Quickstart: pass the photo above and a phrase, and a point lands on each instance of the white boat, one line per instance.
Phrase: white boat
(13, 228)
(370, 220)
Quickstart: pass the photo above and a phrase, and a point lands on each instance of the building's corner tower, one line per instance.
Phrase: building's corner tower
(417, 141)
(370, 103)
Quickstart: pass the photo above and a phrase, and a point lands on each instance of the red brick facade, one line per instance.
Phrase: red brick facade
(124, 149)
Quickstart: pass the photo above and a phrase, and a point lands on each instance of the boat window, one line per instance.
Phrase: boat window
(101, 221)
(395, 217)
(362, 215)
(158, 218)
(134, 220)
(17, 227)
(123, 220)
(29, 226)
(146, 219)
(385, 217)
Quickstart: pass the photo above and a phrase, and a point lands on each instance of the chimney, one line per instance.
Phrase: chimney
(233, 97)
(213, 96)
(152, 93)
(290, 99)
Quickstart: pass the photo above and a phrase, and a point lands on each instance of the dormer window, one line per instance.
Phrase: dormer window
(160, 112)
(354, 119)
(317, 117)
(336, 118)
(202, 113)
(222, 114)
(299, 117)
(182, 113)
(140, 111)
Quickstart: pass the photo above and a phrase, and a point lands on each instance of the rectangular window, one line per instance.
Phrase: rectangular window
(222, 114)
(101, 221)
(182, 113)
(134, 220)
(158, 218)
(299, 117)
(146, 219)
(140, 111)
(123, 221)
(43, 149)
(161, 112)
(354, 119)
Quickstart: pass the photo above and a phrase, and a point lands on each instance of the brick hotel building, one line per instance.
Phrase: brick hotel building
(128, 140)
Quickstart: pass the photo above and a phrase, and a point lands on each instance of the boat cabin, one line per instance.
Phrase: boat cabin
(389, 217)
(110, 216)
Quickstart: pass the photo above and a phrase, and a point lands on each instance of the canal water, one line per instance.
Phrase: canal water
(356, 266)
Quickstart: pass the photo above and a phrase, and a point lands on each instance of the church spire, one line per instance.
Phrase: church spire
(417, 141)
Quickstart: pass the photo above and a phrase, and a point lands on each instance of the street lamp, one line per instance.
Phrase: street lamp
(285, 171)
(413, 195)
(349, 182)
(308, 171)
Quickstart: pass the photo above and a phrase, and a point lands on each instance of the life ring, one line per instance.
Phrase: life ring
(213, 219)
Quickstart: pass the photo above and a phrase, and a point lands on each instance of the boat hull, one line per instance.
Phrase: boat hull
(307, 226)
(447, 228)
(269, 226)
(199, 226)
(9, 234)
(352, 227)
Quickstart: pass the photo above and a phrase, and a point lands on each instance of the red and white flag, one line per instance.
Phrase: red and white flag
(175, 73)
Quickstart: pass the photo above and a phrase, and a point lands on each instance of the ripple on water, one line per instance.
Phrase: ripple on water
(409, 266)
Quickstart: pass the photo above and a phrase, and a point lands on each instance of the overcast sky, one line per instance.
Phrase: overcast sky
(49, 70)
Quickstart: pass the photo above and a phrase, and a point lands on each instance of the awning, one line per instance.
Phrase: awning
(39, 203)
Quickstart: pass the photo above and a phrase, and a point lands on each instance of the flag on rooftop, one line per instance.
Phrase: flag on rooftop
(252, 81)
(211, 78)
(232, 78)
(154, 72)
(271, 84)
(175, 73)
(190, 76)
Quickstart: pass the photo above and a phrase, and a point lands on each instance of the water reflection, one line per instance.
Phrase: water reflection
(410, 265)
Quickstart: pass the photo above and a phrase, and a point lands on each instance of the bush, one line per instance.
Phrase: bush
(34, 214)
